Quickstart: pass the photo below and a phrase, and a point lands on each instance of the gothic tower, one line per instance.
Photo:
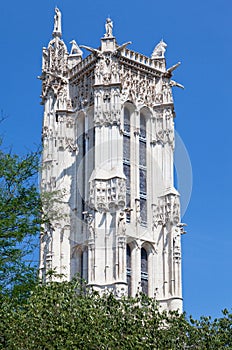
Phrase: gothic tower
(108, 143)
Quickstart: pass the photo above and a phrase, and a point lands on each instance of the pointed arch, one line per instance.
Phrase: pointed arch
(147, 278)
(144, 270)
(80, 260)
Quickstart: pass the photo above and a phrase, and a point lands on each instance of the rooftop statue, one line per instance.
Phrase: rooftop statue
(109, 28)
(159, 50)
(57, 23)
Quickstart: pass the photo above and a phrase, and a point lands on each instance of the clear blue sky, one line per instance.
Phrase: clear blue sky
(198, 34)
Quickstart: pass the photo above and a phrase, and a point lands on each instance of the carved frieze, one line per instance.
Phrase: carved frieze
(107, 195)
(144, 88)
(138, 87)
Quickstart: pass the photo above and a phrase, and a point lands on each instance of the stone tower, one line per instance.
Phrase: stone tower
(108, 143)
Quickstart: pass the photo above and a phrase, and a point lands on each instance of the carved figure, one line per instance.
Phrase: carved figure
(96, 52)
(137, 210)
(57, 21)
(159, 50)
(167, 93)
(121, 224)
(90, 223)
(109, 28)
(75, 50)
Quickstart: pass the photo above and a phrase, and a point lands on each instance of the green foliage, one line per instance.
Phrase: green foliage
(62, 316)
(24, 213)
(20, 217)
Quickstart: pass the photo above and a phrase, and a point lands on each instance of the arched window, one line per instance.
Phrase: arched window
(126, 157)
(144, 271)
(143, 170)
(128, 268)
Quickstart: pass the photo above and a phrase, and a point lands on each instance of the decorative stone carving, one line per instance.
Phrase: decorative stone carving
(107, 70)
(167, 210)
(159, 50)
(54, 65)
(75, 50)
(140, 88)
(120, 292)
(121, 224)
(107, 106)
(70, 122)
(137, 211)
(167, 92)
(107, 195)
(46, 132)
(82, 92)
(164, 127)
(91, 226)
(122, 242)
(176, 247)
(57, 55)
(71, 145)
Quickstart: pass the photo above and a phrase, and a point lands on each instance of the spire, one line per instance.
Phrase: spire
(57, 32)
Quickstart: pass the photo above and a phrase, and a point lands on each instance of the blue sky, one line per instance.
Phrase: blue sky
(199, 35)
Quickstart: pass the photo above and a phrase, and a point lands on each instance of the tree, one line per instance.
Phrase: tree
(62, 315)
(20, 218)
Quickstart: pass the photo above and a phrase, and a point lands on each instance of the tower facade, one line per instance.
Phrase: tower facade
(108, 143)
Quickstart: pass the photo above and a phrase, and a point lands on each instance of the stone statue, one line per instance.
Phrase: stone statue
(57, 22)
(159, 50)
(121, 224)
(109, 28)
(75, 50)
(90, 224)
